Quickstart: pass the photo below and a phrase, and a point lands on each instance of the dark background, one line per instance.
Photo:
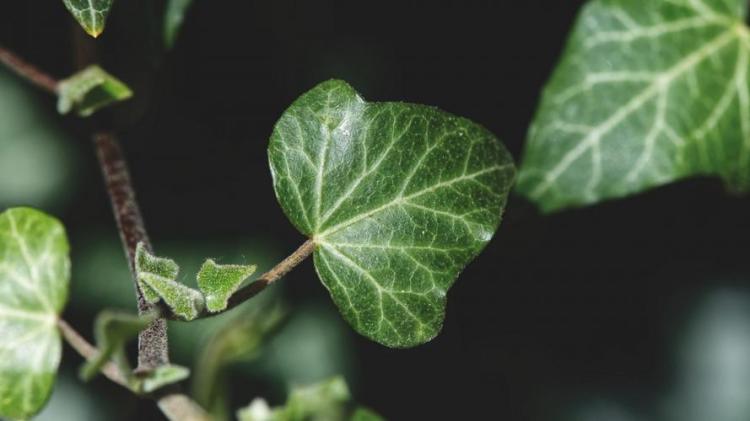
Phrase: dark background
(558, 310)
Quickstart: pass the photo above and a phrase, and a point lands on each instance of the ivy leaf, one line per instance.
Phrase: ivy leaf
(157, 280)
(90, 14)
(112, 330)
(398, 199)
(163, 376)
(148, 264)
(174, 15)
(90, 90)
(647, 92)
(219, 282)
(34, 277)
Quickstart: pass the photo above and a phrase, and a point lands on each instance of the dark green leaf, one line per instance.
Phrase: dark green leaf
(219, 282)
(647, 92)
(34, 277)
(91, 14)
(398, 198)
(90, 90)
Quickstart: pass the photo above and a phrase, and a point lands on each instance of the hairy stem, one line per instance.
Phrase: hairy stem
(176, 406)
(88, 351)
(153, 346)
(27, 71)
(266, 279)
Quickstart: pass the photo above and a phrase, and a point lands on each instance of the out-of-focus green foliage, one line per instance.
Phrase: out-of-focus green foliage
(174, 15)
(34, 278)
(90, 90)
(36, 160)
(328, 400)
(112, 330)
(713, 380)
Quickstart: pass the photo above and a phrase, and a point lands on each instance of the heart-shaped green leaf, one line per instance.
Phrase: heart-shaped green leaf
(34, 277)
(91, 14)
(647, 92)
(398, 199)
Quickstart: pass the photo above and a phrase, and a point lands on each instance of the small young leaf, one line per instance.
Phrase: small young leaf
(398, 199)
(90, 90)
(174, 15)
(219, 282)
(162, 376)
(145, 263)
(34, 277)
(91, 14)
(647, 92)
(157, 280)
(185, 302)
(112, 330)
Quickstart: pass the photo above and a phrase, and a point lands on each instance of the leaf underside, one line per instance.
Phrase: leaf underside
(90, 90)
(34, 277)
(398, 198)
(647, 92)
(90, 14)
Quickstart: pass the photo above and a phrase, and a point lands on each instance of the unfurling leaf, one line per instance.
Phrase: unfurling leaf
(112, 331)
(157, 280)
(648, 92)
(174, 15)
(34, 277)
(148, 264)
(325, 401)
(398, 199)
(164, 375)
(90, 14)
(219, 282)
(90, 90)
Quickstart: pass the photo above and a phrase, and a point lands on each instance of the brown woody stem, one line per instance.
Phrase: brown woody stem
(27, 71)
(153, 346)
(266, 279)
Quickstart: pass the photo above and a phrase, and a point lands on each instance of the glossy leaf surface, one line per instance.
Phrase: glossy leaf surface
(398, 199)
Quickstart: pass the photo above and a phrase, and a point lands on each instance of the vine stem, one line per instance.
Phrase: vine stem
(153, 346)
(176, 406)
(88, 352)
(276, 273)
(28, 71)
(152, 342)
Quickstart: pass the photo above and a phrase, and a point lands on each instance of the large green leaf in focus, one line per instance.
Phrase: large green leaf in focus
(34, 277)
(398, 199)
(647, 92)
(91, 14)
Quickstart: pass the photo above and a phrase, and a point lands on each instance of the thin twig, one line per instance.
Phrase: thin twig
(263, 281)
(153, 346)
(28, 71)
(88, 351)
